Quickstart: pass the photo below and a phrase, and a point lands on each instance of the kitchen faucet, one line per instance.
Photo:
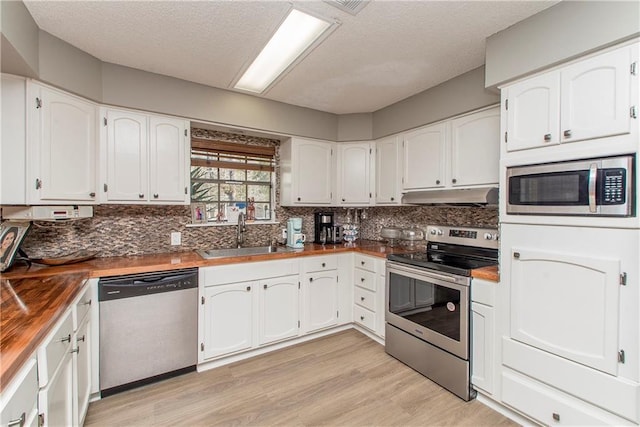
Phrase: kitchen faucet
(241, 229)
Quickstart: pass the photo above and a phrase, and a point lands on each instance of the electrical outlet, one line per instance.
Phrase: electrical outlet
(284, 233)
(176, 238)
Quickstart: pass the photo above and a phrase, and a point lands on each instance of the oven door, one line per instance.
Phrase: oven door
(429, 305)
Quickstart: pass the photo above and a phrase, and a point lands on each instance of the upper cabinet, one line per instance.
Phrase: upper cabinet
(388, 173)
(13, 143)
(355, 173)
(588, 99)
(306, 172)
(145, 158)
(462, 152)
(61, 164)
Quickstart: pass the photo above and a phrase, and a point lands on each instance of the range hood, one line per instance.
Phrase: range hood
(46, 213)
(454, 196)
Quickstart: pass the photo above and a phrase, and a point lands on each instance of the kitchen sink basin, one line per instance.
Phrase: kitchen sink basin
(231, 252)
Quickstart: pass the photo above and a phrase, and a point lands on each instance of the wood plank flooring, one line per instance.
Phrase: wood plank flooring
(345, 379)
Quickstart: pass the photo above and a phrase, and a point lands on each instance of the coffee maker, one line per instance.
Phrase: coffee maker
(295, 237)
(325, 229)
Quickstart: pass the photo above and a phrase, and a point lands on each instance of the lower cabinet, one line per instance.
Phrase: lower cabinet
(483, 335)
(82, 371)
(278, 313)
(369, 293)
(19, 400)
(320, 290)
(55, 401)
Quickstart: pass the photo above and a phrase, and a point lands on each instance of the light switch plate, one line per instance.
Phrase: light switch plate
(176, 238)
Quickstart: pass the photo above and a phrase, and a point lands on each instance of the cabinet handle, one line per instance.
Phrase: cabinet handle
(75, 350)
(87, 302)
(92, 194)
(361, 262)
(361, 298)
(155, 196)
(454, 180)
(516, 255)
(105, 187)
(567, 133)
(299, 199)
(437, 181)
(80, 339)
(248, 288)
(547, 137)
(141, 196)
(66, 339)
(556, 416)
(361, 317)
(311, 279)
(324, 265)
(38, 184)
(343, 200)
(38, 103)
(264, 286)
(18, 422)
(392, 199)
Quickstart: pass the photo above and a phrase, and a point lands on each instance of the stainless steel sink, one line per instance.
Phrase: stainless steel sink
(231, 252)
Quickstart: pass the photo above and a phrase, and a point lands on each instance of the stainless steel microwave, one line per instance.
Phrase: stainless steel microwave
(602, 186)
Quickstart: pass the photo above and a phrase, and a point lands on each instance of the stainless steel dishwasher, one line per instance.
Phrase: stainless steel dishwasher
(148, 328)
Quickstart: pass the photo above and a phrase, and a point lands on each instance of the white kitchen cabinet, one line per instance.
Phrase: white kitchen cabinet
(13, 143)
(355, 173)
(82, 352)
(388, 171)
(278, 313)
(62, 147)
(319, 286)
(483, 335)
(424, 153)
(228, 319)
(369, 293)
(475, 149)
(307, 171)
(145, 158)
(19, 399)
(587, 99)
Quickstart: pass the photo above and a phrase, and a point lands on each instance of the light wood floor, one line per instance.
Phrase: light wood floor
(345, 379)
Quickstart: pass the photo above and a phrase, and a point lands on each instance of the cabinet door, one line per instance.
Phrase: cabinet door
(320, 301)
(388, 171)
(64, 155)
(354, 173)
(167, 160)
(475, 149)
(567, 305)
(278, 312)
(82, 371)
(533, 112)
(228, 319)
(482, 346)
(13, 141)
(595, 97)
(126, 156)
(312, 172)
(424, 157)
(55, 401)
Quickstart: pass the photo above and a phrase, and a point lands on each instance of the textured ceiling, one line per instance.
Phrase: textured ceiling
(388, 52)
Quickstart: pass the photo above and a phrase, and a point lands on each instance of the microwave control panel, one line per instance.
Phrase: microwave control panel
(613, 186)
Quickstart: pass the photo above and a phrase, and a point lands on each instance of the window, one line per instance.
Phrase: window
(231, 178)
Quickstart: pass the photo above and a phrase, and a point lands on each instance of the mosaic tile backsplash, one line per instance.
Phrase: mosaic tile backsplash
(118, 230)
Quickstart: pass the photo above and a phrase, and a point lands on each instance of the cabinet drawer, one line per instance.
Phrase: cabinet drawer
(365, 262)
(483, 292)
(54, 348)
(364, 317)
(81, 307)
(365, 298)
(319, 263)
(550, 406)
(21, 397)
(364, 279)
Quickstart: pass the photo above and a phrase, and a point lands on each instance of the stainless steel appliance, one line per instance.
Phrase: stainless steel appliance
(428, 303)
(601, 186)
(325, 229)
(148, 328)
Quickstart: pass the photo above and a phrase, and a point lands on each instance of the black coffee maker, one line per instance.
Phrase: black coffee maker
(325, 229)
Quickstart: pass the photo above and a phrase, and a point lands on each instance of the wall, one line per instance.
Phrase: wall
(19, 39)
(560, 33)
(456, 96)
(355, 127)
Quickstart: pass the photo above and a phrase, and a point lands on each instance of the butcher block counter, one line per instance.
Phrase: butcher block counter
(33, 299)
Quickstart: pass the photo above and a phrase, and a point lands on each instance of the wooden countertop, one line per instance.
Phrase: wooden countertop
(30, 308)
(488, 273)
(33, 299)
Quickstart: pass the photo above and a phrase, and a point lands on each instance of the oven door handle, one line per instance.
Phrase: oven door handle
(420, 272)
(593, 176)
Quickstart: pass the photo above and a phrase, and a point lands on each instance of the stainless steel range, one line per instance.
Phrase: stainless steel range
(428, 303)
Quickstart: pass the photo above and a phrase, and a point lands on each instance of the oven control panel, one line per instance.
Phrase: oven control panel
(482, 237)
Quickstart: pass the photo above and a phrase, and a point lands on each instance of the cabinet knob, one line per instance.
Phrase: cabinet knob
(87, 302)
(362, 279)
(248, 288)
(66, 339)
(18, 422)
(361, 317)
(437, 181)
(454, 180)
(311, 279)
(141, 196)
(567, 133)
(264, 286)
(38, 184)
(92, 194)
(361, 262)
(343, 200)
(547, 137)
(324, 265)
(392, 199)
(299, 199)
(361, 298)
(155, 196)
(556, 416)
(80, 339)
(75, 350)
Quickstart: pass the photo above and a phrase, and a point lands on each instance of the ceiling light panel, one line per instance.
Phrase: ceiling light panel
(297, 33)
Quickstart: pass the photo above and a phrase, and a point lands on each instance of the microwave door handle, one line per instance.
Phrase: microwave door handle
(593, 176)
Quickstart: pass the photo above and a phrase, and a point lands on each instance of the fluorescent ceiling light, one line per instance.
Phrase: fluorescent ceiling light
(296, 34)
